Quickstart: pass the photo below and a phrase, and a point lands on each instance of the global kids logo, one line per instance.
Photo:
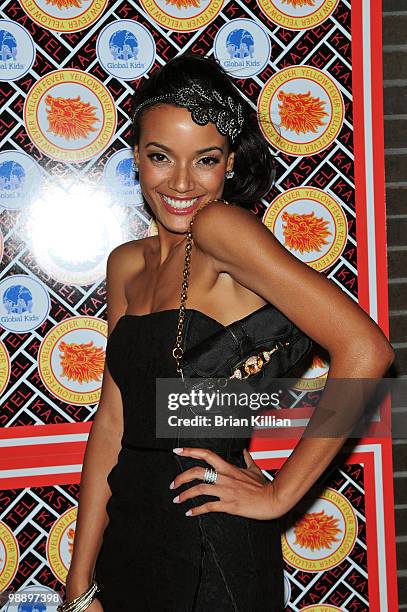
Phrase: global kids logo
(64, 15)
(182, 15)
(24, 303)
(301, 110)
(126, 49)
(297, 14)
(17, 51)
(70, 115)
(71, 360)
(310, 224)
(9, 556)
(60, 544)
(242, 48)
(120, 178)
(33, 598)
(5, 367)
(322, 534)
(20, 179)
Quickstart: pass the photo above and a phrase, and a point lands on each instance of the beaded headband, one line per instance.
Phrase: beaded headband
(204, 105)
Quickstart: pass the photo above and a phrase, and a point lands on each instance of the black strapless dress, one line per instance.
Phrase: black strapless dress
(154, 558)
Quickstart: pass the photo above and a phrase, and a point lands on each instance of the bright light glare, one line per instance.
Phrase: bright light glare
(72, 230)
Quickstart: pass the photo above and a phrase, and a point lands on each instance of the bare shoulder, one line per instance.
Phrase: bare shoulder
(124, 263)
(224, 231)
(217, 212)
(129, 256)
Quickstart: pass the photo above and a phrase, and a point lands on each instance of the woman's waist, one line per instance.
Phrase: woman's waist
(225, 447)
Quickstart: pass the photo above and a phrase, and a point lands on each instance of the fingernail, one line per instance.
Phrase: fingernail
(188, 513)
(177, 450)
(176, 499)
(172, 485)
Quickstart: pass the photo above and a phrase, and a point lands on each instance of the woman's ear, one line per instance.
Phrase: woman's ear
(231, 161)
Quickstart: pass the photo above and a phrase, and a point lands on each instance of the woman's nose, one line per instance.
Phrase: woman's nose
(181, 179)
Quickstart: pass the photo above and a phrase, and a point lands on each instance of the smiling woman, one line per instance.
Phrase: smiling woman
(196, 529)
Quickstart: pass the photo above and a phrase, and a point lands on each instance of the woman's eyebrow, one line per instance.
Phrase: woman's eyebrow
(161, 146)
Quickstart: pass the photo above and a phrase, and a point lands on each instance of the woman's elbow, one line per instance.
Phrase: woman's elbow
(380, 353)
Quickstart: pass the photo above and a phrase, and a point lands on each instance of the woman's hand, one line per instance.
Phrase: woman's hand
(242, 491)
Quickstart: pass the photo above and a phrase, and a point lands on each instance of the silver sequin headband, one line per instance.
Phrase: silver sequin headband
(204, 106)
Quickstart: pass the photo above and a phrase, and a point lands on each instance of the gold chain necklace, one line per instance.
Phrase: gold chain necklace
(178, 350)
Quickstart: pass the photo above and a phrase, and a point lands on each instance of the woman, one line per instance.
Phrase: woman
(166, 540)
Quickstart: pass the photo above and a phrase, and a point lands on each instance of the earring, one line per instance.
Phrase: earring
(230, 174)
(135, 167)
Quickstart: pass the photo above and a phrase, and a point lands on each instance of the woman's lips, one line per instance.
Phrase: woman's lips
(180, 211)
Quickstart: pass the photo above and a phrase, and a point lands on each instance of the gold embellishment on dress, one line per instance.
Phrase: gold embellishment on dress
(254, 363)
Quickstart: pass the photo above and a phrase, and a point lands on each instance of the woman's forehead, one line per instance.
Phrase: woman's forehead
(176, 124)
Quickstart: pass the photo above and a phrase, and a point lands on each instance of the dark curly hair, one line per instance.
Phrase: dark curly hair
(254, 164)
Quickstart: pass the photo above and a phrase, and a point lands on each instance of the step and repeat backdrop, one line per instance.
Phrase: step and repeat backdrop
(68, 196)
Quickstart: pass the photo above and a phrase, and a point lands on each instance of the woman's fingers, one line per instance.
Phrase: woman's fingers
(248, 458)
(219, 464)
(194, 473)
(200, 489)
(224, 469)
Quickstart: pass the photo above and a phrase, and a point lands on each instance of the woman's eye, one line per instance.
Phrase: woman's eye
(209, 161)
(204, 161)
(154, 156)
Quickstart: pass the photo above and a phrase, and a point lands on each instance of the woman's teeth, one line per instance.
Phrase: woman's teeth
(179, 203)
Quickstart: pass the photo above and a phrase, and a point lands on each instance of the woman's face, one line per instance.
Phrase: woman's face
(182, 165)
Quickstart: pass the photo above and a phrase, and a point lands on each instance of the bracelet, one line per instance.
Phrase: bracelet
(82, 602)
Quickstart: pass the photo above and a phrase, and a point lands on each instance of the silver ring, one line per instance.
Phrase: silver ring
(210, 476)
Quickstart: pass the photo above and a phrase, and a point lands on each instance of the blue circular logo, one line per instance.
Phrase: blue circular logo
(242, 48)
(17, 51)
(17, 299)
(126, 49)
(24, 303)
(20, 179)
(121, 180)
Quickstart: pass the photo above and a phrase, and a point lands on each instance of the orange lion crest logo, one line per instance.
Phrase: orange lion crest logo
(301, 112)
(62, 4)
(184, 3)
(299, 3)
(316, 530)
(70, 117)
(71, 537)
(304, 232)
(82, 363)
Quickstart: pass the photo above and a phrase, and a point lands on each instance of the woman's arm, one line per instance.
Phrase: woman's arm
(100, 456)
(242, 246)
(103, 444)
